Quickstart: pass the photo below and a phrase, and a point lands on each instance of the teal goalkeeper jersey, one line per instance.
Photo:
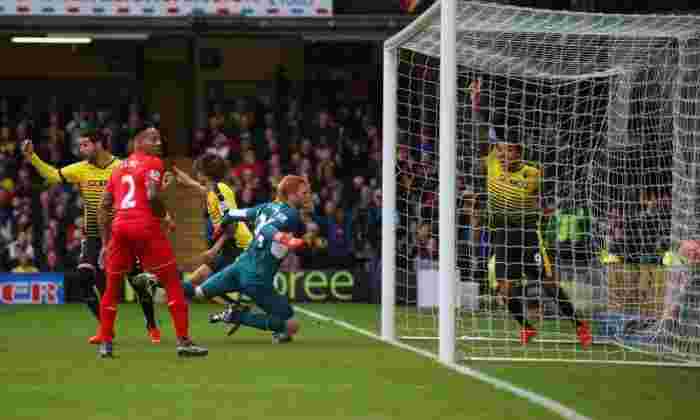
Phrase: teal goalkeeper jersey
(264, 255)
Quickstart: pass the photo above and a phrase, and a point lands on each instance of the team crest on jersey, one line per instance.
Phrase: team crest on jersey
(519, 183)
(96, 183)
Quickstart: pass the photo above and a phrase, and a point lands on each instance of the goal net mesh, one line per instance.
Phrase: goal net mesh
(580, 133)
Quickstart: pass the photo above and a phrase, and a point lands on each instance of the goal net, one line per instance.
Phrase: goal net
(578, 173)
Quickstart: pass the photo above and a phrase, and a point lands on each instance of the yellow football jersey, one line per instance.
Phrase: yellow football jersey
(514, 195)
(214, 210)
(91, 181)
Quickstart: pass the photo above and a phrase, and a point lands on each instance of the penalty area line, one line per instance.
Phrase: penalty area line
(534, 398)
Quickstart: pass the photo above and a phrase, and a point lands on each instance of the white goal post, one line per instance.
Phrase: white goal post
(605, 110)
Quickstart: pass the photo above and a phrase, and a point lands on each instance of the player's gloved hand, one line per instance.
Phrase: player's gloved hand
(289, 241)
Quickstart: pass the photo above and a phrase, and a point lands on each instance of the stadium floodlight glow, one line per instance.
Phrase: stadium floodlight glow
(117, 36)
(50, 40)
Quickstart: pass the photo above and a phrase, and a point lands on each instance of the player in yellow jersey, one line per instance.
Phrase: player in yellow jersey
(210, 171)
(91, 176)
(515, 209)
(514, 212)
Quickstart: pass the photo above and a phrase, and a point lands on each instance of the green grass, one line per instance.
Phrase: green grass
(600, 391)
(49, 371)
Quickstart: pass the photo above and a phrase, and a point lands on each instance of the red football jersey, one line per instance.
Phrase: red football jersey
(128, 186)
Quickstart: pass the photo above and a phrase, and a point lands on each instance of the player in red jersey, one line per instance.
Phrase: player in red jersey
(135, 192)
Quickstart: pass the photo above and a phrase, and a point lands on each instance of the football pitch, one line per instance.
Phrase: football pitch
(49, 371)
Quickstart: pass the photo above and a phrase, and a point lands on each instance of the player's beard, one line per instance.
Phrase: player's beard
(91, 158)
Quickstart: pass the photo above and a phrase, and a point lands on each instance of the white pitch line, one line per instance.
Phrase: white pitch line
(547, 403)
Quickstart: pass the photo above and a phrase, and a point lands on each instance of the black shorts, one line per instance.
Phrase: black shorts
(226, 257)
(517, 252)
(90, 249)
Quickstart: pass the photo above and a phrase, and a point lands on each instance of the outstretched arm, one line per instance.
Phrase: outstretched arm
(238, 215)
(48, 172)
(188, 181)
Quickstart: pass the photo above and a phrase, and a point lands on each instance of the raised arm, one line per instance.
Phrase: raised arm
(48, 172)
(188, 181)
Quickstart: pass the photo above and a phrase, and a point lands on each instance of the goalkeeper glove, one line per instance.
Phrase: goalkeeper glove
(288, 240)
(227, 219)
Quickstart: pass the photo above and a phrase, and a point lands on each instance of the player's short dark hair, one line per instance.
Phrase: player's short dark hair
(212, 166)
(94, 136)
(507, 134)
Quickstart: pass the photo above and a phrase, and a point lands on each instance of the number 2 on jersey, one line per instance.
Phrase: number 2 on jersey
(128, 201)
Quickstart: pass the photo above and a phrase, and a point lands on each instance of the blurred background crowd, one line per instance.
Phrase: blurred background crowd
(337, 147)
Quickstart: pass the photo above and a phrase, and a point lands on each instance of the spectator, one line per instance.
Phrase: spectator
(338, 231)
(423, 248)
(221, 145)
(24, 265)
(324, 128)
(306, 149)
(54, 135)
(355, 163)
(251, 163)
(8, 145)
(329, 180)
(52, 262)
(22, 245)
(247, 198)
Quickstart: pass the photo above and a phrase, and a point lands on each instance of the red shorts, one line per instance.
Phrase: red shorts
(147, 242)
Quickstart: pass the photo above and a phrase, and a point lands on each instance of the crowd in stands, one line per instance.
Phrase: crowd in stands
(337, 148)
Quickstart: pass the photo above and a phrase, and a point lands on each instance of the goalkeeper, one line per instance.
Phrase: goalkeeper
(514, 213)
(254, 270)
